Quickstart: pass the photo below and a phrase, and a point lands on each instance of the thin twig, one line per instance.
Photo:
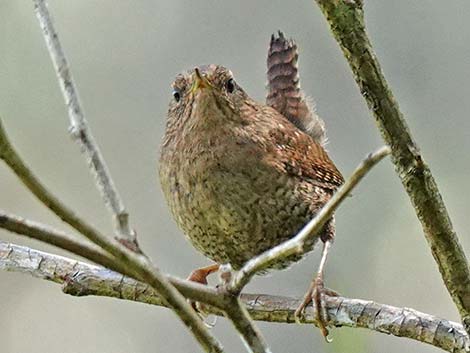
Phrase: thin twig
(347, 24)
(79, 128)
(11, 157)
(49, 235)
(296, 244)
(241, 320)
(136, 264)
(81, 279)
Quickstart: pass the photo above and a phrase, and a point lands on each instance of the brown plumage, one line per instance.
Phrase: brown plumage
(241, 177)
(238, 176)
(284, 93)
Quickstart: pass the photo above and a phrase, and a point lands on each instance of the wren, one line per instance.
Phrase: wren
(241, 177)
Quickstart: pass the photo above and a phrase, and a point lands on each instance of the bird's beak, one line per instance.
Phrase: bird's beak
(199, 81)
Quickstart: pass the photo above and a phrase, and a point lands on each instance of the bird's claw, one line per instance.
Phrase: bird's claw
(315, 294)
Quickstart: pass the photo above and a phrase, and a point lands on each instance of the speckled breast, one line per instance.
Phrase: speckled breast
(233, 214)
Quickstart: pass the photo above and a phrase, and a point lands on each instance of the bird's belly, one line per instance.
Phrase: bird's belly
(232, 216)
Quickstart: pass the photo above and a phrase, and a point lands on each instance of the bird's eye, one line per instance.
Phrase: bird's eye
(230, 85)
(176, 94)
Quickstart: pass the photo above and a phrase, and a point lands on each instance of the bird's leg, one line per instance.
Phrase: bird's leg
(200, 275)
(316, 294)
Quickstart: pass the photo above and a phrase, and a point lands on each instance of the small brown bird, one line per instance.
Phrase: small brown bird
(241, 177)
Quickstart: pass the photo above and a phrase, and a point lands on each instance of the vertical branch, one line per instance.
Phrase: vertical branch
(346, 20)
(79, 128)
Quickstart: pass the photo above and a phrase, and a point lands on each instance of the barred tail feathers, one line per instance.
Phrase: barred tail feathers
(284, 93)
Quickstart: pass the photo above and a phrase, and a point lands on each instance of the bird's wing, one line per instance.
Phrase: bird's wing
(287, 149)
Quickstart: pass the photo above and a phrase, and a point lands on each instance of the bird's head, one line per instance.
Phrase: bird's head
(206, 95)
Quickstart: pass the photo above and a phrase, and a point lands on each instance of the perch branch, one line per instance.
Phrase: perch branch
(346, 20)
(81, 279)
(80, 131)
(46, 234)
(296, 244)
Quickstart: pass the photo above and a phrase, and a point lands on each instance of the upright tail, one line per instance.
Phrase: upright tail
(284, 93)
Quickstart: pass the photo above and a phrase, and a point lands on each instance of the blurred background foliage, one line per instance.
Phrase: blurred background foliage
(124, 55)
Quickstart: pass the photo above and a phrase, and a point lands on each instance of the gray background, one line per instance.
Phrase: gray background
(124, 55)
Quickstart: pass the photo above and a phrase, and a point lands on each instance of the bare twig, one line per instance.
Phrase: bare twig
(80, 131)
(58, 238)
(80, 279)
(135, 264)
(346, 20)
(296, 244)
(9, 155)
(251, 336)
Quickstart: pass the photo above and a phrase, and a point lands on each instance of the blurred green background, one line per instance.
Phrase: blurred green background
(124, 55)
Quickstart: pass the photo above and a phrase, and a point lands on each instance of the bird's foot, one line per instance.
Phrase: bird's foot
(315, 295)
